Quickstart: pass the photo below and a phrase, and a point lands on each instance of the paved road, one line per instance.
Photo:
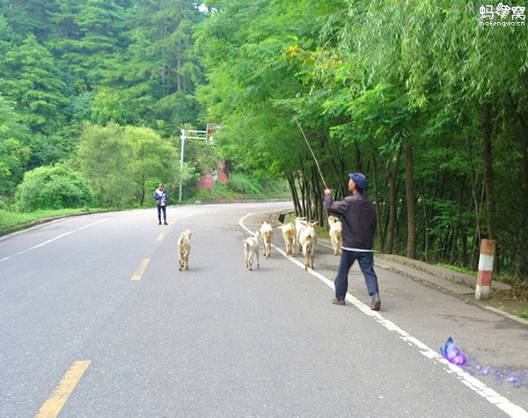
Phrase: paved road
(215, 341)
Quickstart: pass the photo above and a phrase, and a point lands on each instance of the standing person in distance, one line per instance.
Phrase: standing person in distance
(161, 197)
(359, 224)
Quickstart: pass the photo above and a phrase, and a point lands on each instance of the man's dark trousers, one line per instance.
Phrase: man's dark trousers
(164, 209)
(366, 263)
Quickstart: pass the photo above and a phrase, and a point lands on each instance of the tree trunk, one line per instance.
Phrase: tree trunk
(379, 202)
(178, 69)
(300, 176)
(488, 179)
(318, 197)
(409, 196)
(359, 165)
(463, 255)
(295, 196)
(523, 261)
(459, 228)
(392, 211)
(452, 252)
(338, 173)
(343, 183)
(308, 200)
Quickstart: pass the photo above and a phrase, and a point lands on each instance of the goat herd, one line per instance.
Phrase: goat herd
(298, 236)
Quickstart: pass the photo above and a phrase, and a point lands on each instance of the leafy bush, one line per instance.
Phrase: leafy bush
(52, 187)
(244, 184)
(124, 165)
(3, 203)
(241, 186)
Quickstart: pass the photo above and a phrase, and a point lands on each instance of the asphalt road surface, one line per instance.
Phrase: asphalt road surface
(97, 321)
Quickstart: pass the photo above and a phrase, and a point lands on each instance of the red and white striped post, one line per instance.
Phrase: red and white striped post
(485, 270)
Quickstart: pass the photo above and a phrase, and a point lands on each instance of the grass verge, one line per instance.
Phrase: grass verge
(12, 221)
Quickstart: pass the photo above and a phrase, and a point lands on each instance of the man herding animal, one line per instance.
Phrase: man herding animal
(359, 224)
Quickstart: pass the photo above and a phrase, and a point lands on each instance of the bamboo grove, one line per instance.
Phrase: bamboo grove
(430, 105)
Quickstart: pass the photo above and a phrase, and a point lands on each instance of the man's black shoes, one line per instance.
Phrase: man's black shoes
(336, 301)
(375, 304)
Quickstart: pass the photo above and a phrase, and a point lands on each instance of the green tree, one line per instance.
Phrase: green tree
(159, 71)
(31, 79)
(103, 158)
(110, 104)
(153, 160)
(90, 36)
(31, 17)
(53, 187)
(14, 152)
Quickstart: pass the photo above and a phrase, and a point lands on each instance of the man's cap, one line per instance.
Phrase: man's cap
(360, 179)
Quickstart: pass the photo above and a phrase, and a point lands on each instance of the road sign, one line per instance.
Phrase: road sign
(200, 135)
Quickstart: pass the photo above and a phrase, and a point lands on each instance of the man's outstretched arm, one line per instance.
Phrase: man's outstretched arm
(340, 207)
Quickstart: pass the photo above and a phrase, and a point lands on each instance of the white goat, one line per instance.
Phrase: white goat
(308, 240)
(184, 249)
(300, 224)
(251, 250)
(289, 234)
(336, 233)
(266, 231)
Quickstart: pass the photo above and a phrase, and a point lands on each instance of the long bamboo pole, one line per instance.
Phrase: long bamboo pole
(311, 151)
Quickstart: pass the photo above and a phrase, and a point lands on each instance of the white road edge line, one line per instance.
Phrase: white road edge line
(92, 224)
(49, 241)
(471, 382)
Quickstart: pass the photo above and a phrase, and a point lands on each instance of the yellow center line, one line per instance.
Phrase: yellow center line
(52, 407)
(160, 236)
(141, 269)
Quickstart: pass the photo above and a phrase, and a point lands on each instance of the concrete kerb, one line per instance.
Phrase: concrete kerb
(445, 280)
(227, 201)
(462, 279)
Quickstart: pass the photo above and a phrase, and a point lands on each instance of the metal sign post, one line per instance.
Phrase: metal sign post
(206, 136)
(182, 149)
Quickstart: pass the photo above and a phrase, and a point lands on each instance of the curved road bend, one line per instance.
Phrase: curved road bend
(215, 341)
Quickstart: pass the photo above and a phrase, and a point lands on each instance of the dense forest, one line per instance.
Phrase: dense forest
(93, 96)
(430, 105)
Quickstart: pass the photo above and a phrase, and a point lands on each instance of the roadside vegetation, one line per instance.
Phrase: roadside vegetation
(243, 187)
(92, 99)
(430, 105)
